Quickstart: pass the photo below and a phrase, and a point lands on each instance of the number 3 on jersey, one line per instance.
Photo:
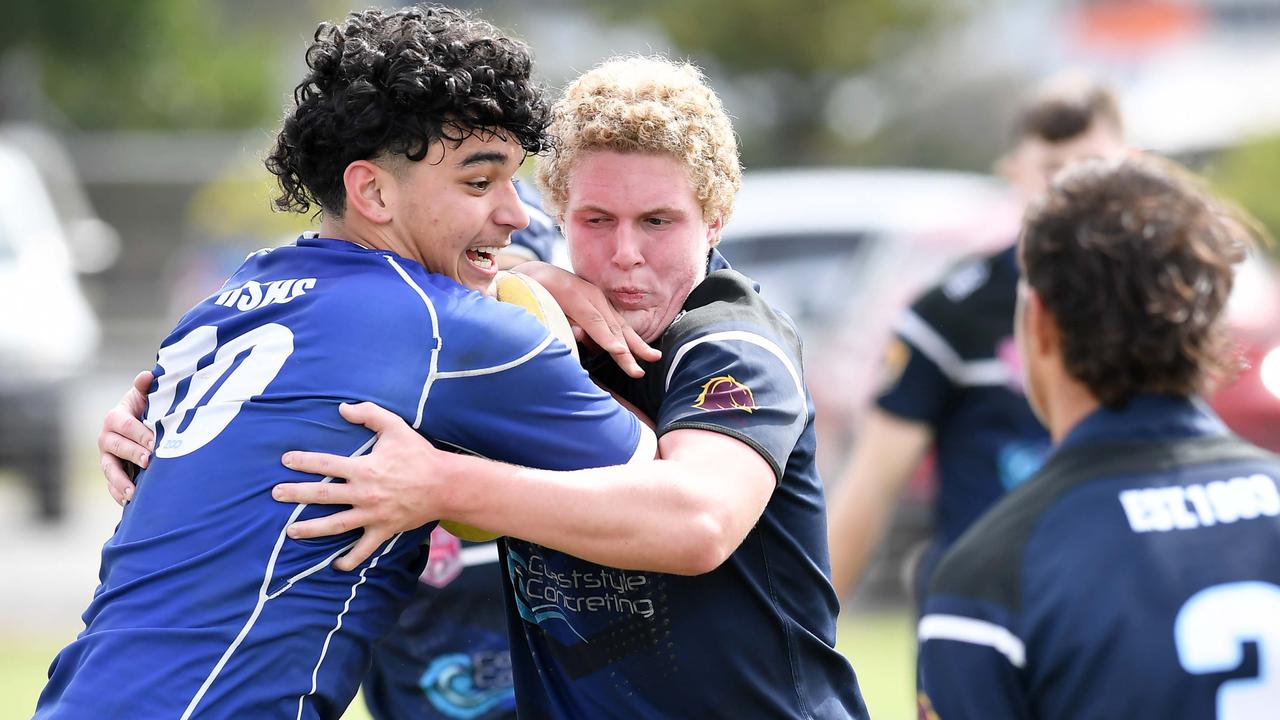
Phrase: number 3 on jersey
(241, 369)
(1209, 632)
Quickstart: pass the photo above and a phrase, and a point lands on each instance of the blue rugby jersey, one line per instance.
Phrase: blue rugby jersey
(1135, 576)
(448, 656)
(205, 608)
(755, 637)
(958, 371)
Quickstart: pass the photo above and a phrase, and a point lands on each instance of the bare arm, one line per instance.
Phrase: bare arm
(888, 450)
(684, 514)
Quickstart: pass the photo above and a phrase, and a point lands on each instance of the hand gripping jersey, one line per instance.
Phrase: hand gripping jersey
(957, 370)
(753, 638)
(1135, 576)
(205, 608)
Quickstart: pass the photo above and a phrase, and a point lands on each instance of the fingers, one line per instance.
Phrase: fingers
(315, 493)
(639, 347)
(118, 482)
(367, 546)
(135, 400)
(372, 416)
(320, 464)
(335, 524)
(113, 442)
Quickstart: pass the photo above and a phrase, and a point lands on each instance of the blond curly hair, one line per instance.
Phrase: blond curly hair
(638, 104)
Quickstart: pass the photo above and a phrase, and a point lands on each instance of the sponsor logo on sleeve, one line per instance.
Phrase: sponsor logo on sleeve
(725, 393)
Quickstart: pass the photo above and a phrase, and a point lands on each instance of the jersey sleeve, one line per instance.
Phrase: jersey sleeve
(914, 383)
(513, 392)
(740, 381)
(970, 662)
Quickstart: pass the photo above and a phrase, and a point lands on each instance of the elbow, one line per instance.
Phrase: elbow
(708, 542)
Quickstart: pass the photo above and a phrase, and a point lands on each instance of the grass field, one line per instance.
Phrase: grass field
(879, 644)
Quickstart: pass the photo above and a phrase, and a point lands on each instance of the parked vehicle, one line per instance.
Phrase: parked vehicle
(48, 332)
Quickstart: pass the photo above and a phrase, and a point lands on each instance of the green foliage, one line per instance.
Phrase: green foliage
(804, 38)
(147, 64)
(1249, 175)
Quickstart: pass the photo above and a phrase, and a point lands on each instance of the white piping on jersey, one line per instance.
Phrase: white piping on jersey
(315, 672)
(740, 335)
(311, 570)
(970, 373)
(479, 554)
(646, 445)
(262, 599)
(435, 335)
(499, 368)
(975, 632)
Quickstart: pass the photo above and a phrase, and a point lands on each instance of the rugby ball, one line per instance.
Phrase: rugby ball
(522, 290)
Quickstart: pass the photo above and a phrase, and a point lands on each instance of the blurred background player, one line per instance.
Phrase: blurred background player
(952, 378)
(1135, 575)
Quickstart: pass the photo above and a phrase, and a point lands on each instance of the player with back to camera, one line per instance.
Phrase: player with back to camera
(406, 133)
(952, 380)
(1134, 575)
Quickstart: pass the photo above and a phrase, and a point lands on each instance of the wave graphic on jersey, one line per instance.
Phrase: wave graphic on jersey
(518, 568)
(450, 682)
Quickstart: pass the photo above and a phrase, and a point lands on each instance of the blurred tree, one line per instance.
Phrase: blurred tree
(153, 64)
(802, 52)
(1248, 174)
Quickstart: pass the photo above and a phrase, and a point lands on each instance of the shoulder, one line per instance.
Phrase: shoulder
(971, 284)
(478, 331)
(726, 306)
(986, 563)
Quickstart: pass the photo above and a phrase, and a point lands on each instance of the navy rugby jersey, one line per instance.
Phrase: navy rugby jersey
(1135, 576)
(448, 658)
(958, 371)
(205, 608)
(755, 637)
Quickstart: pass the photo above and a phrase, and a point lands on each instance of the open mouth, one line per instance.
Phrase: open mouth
(484, 258)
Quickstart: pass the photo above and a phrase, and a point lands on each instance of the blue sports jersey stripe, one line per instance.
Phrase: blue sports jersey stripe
(435, 335)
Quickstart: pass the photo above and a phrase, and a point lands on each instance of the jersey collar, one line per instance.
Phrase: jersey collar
(1147, 417)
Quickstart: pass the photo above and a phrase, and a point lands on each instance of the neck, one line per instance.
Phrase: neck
(363, 235)
(1069, 403)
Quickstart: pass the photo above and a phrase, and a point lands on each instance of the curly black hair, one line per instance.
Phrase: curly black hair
(1135, 261)
(391, 83)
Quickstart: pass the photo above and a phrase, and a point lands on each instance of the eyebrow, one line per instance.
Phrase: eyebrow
(481, 157)
(645, 213)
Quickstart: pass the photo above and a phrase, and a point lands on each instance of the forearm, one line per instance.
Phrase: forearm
(655, 516)
(860, 513)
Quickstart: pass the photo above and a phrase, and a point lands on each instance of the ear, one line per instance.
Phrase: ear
(370, 191)
(1041, 325)
(713, 231)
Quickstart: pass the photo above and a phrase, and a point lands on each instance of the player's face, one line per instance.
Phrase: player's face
(635, 230)
(457, 207)
(1034, 162)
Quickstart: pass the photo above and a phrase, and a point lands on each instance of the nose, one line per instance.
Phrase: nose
(626, 247)
(511, 211)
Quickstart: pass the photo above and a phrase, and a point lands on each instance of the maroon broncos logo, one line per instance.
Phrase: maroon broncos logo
(725, 393)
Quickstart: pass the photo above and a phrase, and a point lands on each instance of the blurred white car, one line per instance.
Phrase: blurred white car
(48, 332)
(843, 251)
